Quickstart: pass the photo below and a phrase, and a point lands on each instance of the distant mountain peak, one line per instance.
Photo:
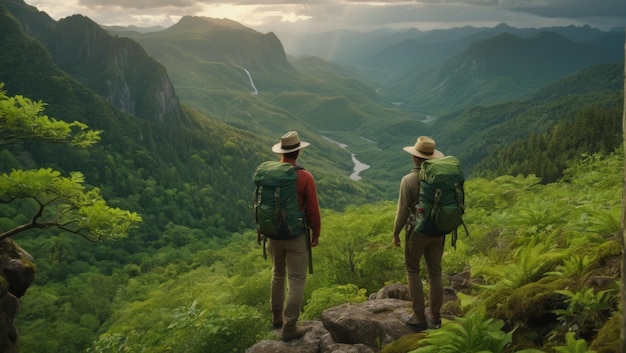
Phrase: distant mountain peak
(202, 24)
(503, 26)
(547, 35)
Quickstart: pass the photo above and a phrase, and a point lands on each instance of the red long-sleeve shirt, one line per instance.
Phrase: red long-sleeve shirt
(307, 192)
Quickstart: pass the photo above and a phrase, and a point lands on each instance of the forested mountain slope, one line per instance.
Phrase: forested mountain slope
(499, 69)
(483, 133)
(394, 55)
(326, 102)
(512, 67)
(213, 61)
(118, 69)
(179, 151)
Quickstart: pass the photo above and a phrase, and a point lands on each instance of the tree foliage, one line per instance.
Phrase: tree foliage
(194, 286)
(64, 203)
(547, 153)
(22, 119)
(54, 201)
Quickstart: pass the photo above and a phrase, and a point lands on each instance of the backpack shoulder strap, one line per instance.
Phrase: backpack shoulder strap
(417, 170)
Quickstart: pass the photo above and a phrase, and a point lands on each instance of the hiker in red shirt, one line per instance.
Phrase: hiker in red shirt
(291, 257)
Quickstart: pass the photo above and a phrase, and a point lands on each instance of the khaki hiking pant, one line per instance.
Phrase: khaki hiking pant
(431, 248)
(290, 259)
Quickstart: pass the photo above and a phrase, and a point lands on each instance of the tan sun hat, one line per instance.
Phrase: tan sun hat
(424, 148)
(289, 142)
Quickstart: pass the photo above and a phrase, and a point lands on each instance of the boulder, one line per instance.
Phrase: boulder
(373, 323)
(396, 290)
(348, 328)
(17, 272)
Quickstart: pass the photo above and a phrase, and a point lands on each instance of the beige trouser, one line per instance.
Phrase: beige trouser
(290, 258)
(431, 248)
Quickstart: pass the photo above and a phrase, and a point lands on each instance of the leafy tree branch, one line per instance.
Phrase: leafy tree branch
(63, 202)
(56, 201)
(21, 118)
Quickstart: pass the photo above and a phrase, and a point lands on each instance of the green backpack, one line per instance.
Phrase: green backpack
(441, 205)
(276, 210)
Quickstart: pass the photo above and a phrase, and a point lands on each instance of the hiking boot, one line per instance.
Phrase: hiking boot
(433, 323)
(416, 325)
(277, 319)
(291, 333)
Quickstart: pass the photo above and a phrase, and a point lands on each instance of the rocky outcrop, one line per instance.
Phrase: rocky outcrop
(17, 272)
(354, 327)
(118, 69)
(350, 328)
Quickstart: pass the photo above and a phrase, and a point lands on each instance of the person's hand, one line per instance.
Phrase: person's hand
(396, 240)
(315, 240)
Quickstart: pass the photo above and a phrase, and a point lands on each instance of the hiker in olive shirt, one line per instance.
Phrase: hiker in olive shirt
(291, 257)
(418, 245)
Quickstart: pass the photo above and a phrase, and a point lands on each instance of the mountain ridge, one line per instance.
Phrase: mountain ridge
(327, 101)
(116, 68)
(499, 68)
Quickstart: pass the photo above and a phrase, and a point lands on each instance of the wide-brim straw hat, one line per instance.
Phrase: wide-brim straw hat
(289, 142)
(424, 148)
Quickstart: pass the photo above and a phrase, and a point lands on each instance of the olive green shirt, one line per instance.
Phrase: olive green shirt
(408, 196)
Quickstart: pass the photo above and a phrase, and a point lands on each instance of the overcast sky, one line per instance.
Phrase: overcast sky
(324, 15)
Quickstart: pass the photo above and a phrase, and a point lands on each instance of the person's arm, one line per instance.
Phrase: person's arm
(402, 210)
(311, 206)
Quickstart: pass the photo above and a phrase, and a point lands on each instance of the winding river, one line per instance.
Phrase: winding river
(358, 165)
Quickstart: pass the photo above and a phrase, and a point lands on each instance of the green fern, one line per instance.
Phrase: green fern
(572, 345)
(585, 308)
(603, 220)
(572, 267)
(324, 298)
(530, 262)
(473, 333)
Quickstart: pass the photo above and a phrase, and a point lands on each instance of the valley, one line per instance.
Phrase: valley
(358, 165)
(187, 112)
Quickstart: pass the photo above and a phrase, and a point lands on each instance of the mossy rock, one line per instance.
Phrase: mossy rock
(607, 250)
(525, 337)
(405, 343)
(608, 338)
(4, 286)
(451, 308)
(532, 301)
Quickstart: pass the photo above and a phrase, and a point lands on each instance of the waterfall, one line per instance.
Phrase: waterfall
(256, 92)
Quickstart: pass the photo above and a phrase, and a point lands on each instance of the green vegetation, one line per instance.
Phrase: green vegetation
(471, 333)
(54, 201)
(543, 215)
(23, 119)
(593, 129)
(199, 294)
(540, 135)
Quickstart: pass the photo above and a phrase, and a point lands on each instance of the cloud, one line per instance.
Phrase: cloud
(542, 8)
(138, 4)
(569, 8)
(155, 4)
(574, 9)
(322, 15)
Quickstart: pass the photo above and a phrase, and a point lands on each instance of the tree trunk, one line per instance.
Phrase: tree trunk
(623, 223)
